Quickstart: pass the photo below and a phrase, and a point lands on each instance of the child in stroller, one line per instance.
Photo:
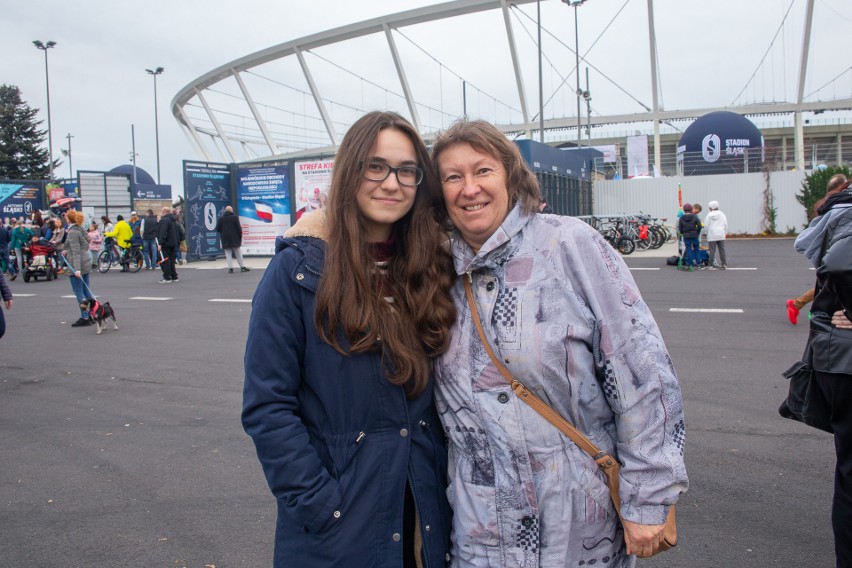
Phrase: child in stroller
(39, 260)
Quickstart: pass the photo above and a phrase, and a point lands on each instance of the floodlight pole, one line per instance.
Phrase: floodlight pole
(154, 73)
(540, 79)
(44, 47)
(579, 92)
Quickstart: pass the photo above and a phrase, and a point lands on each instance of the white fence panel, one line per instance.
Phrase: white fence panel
(740, 197)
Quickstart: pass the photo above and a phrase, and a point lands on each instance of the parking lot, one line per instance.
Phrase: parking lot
(125, 449)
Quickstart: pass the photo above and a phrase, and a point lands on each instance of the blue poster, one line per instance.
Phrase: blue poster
(208, 191)
(18, 200)
(263, 204)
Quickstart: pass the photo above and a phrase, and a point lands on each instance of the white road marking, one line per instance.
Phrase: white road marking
(152, 298)
(16, 295)
(644, 268)
(729, 268)
(236, 300)
(707, 310)
(72, 296)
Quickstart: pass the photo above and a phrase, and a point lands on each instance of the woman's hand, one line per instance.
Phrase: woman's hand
(8, 304)
(76, 274)
(839, 319)
(642, 540)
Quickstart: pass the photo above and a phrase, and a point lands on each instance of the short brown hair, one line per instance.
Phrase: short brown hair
(482, 136)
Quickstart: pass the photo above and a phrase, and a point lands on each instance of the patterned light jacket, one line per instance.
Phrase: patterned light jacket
(563, 312)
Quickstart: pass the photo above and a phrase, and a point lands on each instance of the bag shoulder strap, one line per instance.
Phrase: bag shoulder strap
(531, 398)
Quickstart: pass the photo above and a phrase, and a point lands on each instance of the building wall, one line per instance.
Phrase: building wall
(740, 197)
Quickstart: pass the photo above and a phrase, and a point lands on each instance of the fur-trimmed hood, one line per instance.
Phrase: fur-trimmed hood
(313, 224)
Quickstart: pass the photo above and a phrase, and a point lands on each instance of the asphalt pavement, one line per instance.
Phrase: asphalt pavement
(126, 449)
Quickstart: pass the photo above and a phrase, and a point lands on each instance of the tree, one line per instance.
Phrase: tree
(815, 185)
(22, 151)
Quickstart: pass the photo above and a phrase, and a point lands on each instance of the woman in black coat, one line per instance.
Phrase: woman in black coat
(831, 341)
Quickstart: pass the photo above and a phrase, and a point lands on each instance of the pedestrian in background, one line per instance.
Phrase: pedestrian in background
(149, 240)
(231, 235)
(5, 241)
(21, 237)
(179, 250)
(689, 226)
(6, 294)
(95, 242)
(134, 221)
(716, 226)
(168, 239)
(76, 254)
(807, 241)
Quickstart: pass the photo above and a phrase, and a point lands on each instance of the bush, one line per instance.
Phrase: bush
(814, 187)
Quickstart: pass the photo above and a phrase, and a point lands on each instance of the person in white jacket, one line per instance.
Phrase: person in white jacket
(716, 227)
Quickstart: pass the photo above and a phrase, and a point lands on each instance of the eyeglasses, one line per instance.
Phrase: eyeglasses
(409, 176)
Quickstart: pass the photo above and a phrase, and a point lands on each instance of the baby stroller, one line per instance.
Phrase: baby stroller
(39, 261)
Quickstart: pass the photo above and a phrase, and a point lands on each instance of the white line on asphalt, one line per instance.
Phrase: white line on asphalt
(25, 295)
(236, 300)
(644, 268)
(707, 310)
(153, 298)
(71, 296)
(729, 268)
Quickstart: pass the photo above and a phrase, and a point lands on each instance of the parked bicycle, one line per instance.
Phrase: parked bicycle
(113, 255)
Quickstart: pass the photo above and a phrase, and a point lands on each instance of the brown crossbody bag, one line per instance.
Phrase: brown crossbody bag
(608, 464)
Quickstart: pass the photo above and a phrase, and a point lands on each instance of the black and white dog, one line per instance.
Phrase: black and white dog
(99, 312)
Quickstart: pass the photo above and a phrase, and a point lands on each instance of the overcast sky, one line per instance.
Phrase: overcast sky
(99, 87)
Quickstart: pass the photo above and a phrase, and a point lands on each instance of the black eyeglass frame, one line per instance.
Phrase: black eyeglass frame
(420, 174)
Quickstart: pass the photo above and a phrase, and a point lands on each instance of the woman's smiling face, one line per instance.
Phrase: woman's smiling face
(383, 203)
(475, 192)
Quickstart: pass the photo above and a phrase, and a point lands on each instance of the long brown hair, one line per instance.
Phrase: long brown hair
(416, 326)
(484, 137)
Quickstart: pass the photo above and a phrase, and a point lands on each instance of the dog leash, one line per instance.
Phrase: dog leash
(68, 264)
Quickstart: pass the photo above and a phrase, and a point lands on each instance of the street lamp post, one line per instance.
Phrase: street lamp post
(154, 73)
(579, 92)
(44, 47)
(67, 154)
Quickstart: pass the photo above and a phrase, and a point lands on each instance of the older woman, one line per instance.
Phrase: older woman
(561, 310)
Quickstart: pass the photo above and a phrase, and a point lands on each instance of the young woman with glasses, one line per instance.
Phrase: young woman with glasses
(345, 325)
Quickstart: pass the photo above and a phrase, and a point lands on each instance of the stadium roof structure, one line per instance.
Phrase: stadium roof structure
(322, 82)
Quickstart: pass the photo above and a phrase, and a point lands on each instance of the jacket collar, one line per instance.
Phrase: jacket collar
(313, 224)
(495, 251)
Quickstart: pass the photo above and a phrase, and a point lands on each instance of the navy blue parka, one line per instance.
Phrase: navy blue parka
(336, 440)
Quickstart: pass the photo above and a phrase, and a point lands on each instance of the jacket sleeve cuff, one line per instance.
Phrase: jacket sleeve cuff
(646, 514)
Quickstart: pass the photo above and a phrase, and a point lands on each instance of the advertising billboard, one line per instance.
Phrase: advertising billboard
(19, 200)
(263, 205)
(208, 191)
(312, 183)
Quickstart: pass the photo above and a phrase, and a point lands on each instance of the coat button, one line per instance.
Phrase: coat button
(526, 521)
(503, 398)
(489, 286)
(403, 432)
(424, 424)
(428, 528)
(300, 276)
(396, 537)
(337, 514)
